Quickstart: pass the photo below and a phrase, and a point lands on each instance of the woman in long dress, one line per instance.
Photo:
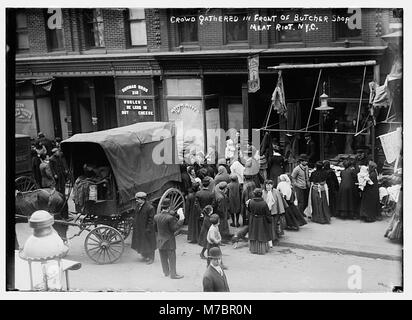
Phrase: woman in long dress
(274, 201)
(259, 224)
(319, 196)
(192, 211)
(247, 194)
(347, 205)
(333, 186)
(293, 216)
(370, 208)
(222, 210)
(276, 164)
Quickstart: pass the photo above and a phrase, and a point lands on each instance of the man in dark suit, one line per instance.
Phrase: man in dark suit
(311, 150)
(144, 238)
(166, 224)
(214, 279)
(205, 196)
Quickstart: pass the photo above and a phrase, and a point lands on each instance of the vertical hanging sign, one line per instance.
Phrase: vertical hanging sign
(253, 70)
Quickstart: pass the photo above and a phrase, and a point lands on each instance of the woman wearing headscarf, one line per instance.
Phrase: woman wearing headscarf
(293, 216)
(274, 201)
(333, 186)
(347, 204)
(370, 208)
(192, 212)
(222, 208)
(259, 224)
(222, 175)
(234, 200)
(319, 196)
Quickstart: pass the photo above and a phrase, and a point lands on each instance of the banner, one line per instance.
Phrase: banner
(253, 68)
(392, 144)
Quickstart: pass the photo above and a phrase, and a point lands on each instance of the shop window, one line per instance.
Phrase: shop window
(93, 28)
(137, 25)
(184, 87)
(289, 31)
(22, 31)
(54, 29)
(236, 30)
(342, 29)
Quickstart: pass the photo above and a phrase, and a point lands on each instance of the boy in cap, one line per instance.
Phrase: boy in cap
(214, 279)
(214, 239)
(300, 181)
(144, 237)
(166, 224)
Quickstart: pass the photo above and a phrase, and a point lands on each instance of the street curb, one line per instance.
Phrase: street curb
(341, 251)
(363, 254)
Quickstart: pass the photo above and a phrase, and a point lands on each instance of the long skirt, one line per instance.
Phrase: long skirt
(294, 218)
(320, 207)
(258, 247)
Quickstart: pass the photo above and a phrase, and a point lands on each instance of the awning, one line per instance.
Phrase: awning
(45, 83)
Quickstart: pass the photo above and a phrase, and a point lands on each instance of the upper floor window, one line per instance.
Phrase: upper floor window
(22, 31)
(235, 26)
(289, 30)
(137, 24)
(93, 28)
(345, 24)
(188, 30)
(54, 29)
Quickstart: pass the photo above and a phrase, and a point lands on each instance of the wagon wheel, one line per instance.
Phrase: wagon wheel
(124, 226)
(176, 199)
(104, 245)
(25, 183)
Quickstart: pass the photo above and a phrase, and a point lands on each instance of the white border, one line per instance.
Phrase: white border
(202, 296)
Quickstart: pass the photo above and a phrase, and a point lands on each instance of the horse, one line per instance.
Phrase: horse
(48, 199)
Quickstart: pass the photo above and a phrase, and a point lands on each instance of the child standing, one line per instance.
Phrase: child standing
(214, 239)
(205, 215)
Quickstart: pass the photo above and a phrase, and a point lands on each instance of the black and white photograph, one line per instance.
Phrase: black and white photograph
(179, 148)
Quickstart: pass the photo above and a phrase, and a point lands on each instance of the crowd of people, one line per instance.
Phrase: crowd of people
(49, 166)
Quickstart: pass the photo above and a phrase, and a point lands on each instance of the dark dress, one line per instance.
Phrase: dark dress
(234, 197)
(144, 237)
(205, 197)
(333, 188)
(247, 194)
(192, 211)
(203, 232)
(320, 207)
(293, 216)
(259, 226)
(222, 209)
(370, 208)
(348, 196)
(275, 168)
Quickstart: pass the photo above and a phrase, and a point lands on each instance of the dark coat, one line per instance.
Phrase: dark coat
(259, 220)
(205, 197)
(35, 167)
(192, 213)
(222, 209)
(347, 205)
(275, 168)
(234, 197)
(203, 232)
(370, 206)
(186, 182)
(166, 225)
(144, 237)
(311, 151)
(214, 282)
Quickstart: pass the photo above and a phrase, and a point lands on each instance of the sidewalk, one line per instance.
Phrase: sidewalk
(351, 237)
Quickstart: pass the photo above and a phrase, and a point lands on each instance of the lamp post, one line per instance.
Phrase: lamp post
(324, 108)
(43, 251)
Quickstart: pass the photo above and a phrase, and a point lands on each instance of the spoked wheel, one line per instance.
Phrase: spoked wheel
(176, 199)
(104, 245)
(124, 227)
(25, 183)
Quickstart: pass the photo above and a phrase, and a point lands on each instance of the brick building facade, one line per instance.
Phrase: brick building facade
(111, 67)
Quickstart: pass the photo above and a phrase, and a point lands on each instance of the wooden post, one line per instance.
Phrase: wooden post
(246, 117)
(116, 92)
(36, 111)
(377, 79)
(92, 92)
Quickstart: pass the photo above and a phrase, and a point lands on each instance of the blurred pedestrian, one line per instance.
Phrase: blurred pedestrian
(222, 210)
(300, 182)
(348, 196)
(47, 179)
(333, 186)
(274, 202)
(370, 209)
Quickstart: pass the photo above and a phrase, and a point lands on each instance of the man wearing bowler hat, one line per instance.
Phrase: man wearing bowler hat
(166, 224)
(300, 180)
(144, 237)
(214, 279)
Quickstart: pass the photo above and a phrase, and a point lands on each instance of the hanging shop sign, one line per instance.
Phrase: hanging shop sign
(135, 100)
(253, 69)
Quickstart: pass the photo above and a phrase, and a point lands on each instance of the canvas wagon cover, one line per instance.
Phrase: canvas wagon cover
(129, 152)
